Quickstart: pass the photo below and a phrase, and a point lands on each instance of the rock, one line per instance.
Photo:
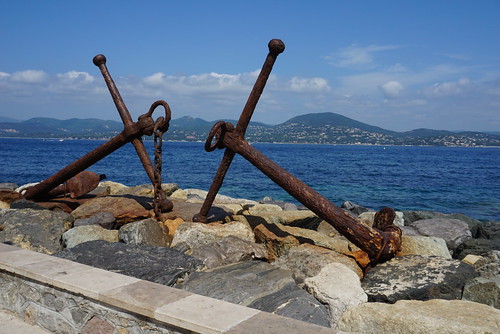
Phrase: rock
(338, 287)
(257, 209)
(354, 208)
(156, 264)
(146, 232)
(145, 190)
(171, 225)
(417, 277)
(286, 206)
(484, 290)
(8, 186)
(411, 316)
(487, 265)
(37, 230)
(427, 246)
(185, 194)
(113, 187)
(301, 218)
(276, 242)
(473, 260)
(197, 234)
(413, 216)
(476, 247)
(489, 230)
(81, 234)
(258, 285)
(104, 219)
(228, 250)
(186, 211)
(369, 217)
(124, 209)
(25, 204)
(9, 196)
(453, 231)
(307, 261)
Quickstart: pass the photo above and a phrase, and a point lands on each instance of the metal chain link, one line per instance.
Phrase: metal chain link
(158, 193)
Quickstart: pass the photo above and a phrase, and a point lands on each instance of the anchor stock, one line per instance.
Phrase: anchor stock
(380, 242)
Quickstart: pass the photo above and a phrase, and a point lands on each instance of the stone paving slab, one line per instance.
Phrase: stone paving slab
(12, 325)
(162, 304)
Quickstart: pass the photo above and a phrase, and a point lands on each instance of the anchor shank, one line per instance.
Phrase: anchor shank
(371, 240)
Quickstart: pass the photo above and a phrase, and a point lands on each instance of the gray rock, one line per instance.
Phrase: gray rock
(104, 219)
(413, 216)
(261, 286)
(228, 250)
(484, 290)
(453, 231)
(412, 316)
(156, 264)
(8, 186)
(37, 230)
(338, 287)
(417, 277)
(25, 204)
(489, 230)
(489, 264)
(420, 245)
(476, 247)
(354, 208)
(81, 234)
(147, 232)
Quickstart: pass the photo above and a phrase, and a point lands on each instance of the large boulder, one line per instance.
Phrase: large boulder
(484, 290)
(148, 232)
(307, 261)
(156, 264)
(411, 316)
(225, 251)
(453, 231)
(338, 287)
(81, 234)
(37, 230)
(258, 285)
(196, 234)
(124, 209)
(417, 277)
(420, 245)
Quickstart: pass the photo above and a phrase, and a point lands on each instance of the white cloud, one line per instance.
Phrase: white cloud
(297, 84)
(391, 89)
(357, 56)
(447, 88)
(29, 76)
(74, 76)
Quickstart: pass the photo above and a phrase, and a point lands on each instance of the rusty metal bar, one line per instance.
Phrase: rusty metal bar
(380, 242)
(276, 47)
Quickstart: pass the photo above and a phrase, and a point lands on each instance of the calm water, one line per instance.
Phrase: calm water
(449, 180)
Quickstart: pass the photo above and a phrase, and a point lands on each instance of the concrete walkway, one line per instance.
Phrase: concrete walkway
(9, 324)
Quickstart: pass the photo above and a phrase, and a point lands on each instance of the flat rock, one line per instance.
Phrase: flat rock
(156, 264)
(417, 277)
(276, 242)
(37, 230)
(106, 220)
(453, 231)
(258, 285)
(338, 287)
(147, 232)
(413, 216)
(228, 250)
(411, 316)
(427, 246)
(186, 211)
(307, 261)
(81, 234)
(124, 209)
(8, 186)
(476, 247)
(198, 234)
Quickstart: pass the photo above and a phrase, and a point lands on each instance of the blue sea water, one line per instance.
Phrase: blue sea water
(443, 179)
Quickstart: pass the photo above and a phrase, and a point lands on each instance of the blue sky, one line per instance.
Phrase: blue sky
(400, 65)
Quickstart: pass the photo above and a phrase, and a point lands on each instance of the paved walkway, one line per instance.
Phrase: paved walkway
(9, 324)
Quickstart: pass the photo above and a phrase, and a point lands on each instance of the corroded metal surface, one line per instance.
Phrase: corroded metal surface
(132, 132)
(379, 243)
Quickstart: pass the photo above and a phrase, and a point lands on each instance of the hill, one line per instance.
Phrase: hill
(319, 128)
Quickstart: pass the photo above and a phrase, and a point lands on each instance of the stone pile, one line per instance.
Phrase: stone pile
(276, 257)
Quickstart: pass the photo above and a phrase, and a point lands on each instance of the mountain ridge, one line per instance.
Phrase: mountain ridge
(320, 128)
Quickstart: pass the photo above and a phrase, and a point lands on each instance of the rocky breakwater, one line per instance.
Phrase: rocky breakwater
(275, 257)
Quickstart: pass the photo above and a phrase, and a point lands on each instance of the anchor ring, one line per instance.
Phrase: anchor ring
(217, 132)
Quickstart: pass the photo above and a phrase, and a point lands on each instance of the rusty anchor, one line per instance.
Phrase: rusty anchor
(132, 132)
(380, 242)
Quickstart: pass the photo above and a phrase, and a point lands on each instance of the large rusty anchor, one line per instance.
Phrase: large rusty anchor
(380, 242)
(132, 132)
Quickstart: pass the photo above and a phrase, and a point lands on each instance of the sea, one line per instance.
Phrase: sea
(444, 179)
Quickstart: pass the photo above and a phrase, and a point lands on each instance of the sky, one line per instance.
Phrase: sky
(400, 65)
